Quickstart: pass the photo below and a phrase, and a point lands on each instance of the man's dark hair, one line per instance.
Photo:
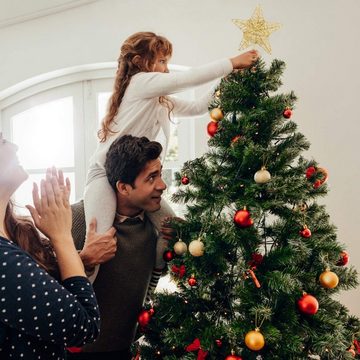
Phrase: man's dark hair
(128, 156)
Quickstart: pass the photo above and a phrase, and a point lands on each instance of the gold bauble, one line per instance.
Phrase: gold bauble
(180, 247)
(329, 279)
(196, 248)
(254, 340)
(262, 176)
(216, 114)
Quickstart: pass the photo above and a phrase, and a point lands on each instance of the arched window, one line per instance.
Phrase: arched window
(53, 118)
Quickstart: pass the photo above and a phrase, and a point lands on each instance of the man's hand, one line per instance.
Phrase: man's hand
(98, 248)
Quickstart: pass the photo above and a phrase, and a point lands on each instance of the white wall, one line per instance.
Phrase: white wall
(318, 41)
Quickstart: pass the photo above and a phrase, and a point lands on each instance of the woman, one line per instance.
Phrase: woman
(40, 316)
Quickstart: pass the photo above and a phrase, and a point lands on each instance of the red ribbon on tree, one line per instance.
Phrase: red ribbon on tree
(357, 346)
(180, 270)
(194, 346)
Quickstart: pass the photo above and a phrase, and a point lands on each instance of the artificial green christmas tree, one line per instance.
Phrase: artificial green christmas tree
(256, 259)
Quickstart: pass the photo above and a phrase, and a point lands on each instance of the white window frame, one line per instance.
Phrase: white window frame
(81, 81)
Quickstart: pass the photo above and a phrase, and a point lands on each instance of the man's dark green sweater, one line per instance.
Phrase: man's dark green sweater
(122, 283)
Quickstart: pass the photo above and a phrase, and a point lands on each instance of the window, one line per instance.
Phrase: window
(54, 122)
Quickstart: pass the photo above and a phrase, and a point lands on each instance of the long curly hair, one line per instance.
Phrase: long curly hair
(137, 54)
(23, 233)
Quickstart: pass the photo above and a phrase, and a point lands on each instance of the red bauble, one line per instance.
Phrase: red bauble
(218, 343)
(305, 232)
(287, 113)
(192, 281)
(151, 311)
(185, 180)
(233, 357)
(344, 259)
(308, 304)
(168, 255)
(242, 218)
(310, 171)
(144, 318)
(212, 128)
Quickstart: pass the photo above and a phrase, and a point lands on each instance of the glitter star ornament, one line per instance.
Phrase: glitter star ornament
(256, 30)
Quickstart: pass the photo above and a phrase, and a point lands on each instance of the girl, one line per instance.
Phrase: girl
(38, 315)
(141, 106)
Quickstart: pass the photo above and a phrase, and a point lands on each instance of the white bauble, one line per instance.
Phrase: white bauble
(180, 247)
(196, 248)
(262, 176)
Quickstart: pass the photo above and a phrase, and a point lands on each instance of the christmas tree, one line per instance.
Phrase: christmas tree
(256, 259)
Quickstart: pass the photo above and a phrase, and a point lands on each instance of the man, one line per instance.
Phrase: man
(133, 169)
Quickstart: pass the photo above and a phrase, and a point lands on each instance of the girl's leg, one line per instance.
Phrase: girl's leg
(99, 203)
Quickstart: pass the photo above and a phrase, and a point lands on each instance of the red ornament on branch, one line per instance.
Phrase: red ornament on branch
(195, 346)
(212, 128)
(308, 304)
(192, 281)
(344, 259)
(233, 356)
(311, 173)
(179, 270)
(287, 113)
(242, 218)
(218, 343)
(235, 139)
(256, 260)
(251, 273)
(185, 180)
(144, 317)
(168, 255)
(305, 232)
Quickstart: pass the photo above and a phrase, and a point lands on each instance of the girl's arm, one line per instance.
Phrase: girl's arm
(190, 107)
(154, 84)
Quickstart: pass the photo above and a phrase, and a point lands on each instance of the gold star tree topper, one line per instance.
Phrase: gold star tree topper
(256, 30)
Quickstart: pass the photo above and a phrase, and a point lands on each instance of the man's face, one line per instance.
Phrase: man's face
(148, 188)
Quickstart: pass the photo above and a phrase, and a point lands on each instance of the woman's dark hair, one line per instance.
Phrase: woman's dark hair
(128, 156)
(23, 232)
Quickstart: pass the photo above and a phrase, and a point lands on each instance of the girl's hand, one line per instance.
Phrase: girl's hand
(52, 212)
(245, 60)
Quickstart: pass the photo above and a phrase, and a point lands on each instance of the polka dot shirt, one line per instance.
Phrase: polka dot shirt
(39, 317)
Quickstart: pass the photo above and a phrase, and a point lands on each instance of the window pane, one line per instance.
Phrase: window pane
(45, 135)
(173, 148)
(102, 102)
(23, 195)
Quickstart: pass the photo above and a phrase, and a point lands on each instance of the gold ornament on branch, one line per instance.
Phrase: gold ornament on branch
(256, 30)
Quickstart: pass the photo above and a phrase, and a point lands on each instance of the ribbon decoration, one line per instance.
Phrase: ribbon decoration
(357, 346)
(251, 273)
(194, 346)
(180, 270)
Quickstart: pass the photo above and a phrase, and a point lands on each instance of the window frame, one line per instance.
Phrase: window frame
(82, 82)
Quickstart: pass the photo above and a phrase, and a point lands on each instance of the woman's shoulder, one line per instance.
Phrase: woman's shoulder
(8, 250)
